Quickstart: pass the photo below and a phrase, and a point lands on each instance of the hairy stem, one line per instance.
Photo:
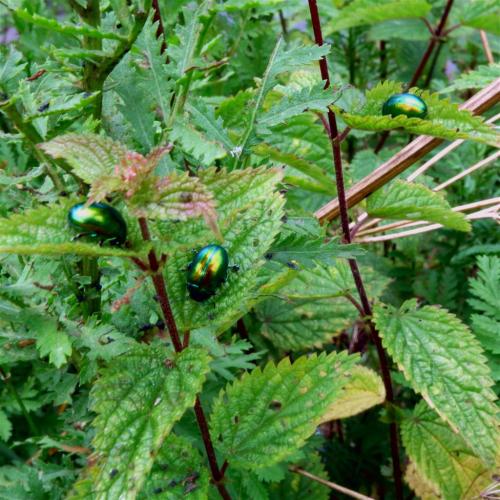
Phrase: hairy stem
(337, 159)
(162, 295)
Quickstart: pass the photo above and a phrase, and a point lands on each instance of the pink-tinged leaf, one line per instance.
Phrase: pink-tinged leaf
(177, 197)
(90, 156)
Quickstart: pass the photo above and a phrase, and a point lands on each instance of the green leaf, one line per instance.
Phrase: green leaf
(485, 291)
(364, 390)
(11, 67)
(90, 156)
(281, 61)
(265, 416)
(203, 116)
(239, 5)
(5, 427)
(479, 78)
(157, 74)
(307, 252)
(309, 169)
(138, 399)
(403, 200)
(444, 119)
(55, 25)
(480, 14)
(295, 324)
(442, 457)
(421, 486)
(45, 231)
(179, 470)
(249, 216)
(315, 98)
(444, 362)
(362, 12)
(485, 287)
(205, 149)
(51, 342)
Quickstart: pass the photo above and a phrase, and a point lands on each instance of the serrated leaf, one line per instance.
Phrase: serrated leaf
(138, 399)
(55, 25)
(296, 324)
(444, 362)
(281, 61)
(265, 416)
(479, 78)
(157, 74)
(315, 98)
(11, 67)
(249, 215)
(5, 427)
(179, 470)
(291, 159)
(45, 231)
(178, 197)
(421, 486)
(307, 252)
(444, 119)
(203, 116)
(90, 155)
(442, 457)
(362, 12)
(51, 342)
(485, 287)
(480, 14)
(403, 200)
(196, 143)
(364, 390)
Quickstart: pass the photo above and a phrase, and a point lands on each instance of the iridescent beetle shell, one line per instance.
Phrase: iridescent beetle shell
(207, 272)
(410, 105)
(99, 221)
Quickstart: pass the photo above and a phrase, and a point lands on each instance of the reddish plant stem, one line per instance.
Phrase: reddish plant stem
(161, 291)
(435, 35)
(160, 31)
(217, 474)
(344, 217)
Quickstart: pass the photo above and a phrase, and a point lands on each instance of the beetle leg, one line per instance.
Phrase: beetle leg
(80, 235)
(235, 268)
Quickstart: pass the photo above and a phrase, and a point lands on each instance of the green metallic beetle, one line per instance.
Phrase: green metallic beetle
(99, 221)
(410, 105)
(207, 272)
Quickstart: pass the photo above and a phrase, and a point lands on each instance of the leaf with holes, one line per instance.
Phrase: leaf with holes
(403, 200)
(444, 362)
(290, 398)
(179, 470)
(442, 457)
(138, 399)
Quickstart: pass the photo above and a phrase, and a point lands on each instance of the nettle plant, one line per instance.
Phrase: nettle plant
(180, 314)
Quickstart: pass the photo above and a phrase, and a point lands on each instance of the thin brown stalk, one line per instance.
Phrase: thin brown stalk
(489, 213)
(330, 484)
(486, 47)
(466, 172)
(344, 217)
(478, 103)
